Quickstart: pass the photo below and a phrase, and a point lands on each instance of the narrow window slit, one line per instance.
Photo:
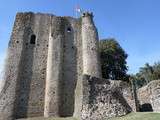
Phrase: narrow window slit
(33, 39)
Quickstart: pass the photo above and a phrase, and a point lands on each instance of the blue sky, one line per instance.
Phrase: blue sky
(134, 23)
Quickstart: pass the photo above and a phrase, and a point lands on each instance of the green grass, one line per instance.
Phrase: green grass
(131, 116)
(139, 116)
(41, 118)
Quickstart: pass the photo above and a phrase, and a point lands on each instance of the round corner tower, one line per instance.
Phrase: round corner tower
(90, 53)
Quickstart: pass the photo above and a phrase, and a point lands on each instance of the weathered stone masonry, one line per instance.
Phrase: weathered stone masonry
(53, 69)
(104, 98)
(44, 64)
(149, 97)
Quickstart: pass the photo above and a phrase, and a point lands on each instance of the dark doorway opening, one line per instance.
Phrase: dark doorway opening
(147, 107)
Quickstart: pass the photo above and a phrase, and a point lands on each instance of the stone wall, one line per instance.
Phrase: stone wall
(149, 96)
(128, 94)
(7, 95)
(26, 66)
(47, 57)
(65, 69)
(70, 68)
(25, 72)
(54, 68)
(103, 99)
(90, 47)
(32, 71)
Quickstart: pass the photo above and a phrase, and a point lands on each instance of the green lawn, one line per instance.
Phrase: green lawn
(40, 118)
(131, 116)
(139, 116)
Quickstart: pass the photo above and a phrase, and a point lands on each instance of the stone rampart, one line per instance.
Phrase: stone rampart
(149, 96)
(103, 98)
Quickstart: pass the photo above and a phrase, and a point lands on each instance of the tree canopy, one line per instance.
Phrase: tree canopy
(146, 74)
(113, 60)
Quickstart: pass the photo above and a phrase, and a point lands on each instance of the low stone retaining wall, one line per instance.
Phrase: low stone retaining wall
(104, 98)
(149, 96)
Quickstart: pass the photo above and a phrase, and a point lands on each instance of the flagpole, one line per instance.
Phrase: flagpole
(75, 8)
(76, 13)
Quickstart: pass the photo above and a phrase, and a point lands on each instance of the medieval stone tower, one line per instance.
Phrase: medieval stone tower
(47, 56)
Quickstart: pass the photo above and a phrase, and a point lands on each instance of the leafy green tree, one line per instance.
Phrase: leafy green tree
(139, 81)
(113, 60)
(156, 71)
(146, 74)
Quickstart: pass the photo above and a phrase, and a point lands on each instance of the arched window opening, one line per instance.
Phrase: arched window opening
(33, 39)
(69, 29)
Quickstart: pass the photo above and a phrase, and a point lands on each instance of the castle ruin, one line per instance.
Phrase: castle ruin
(53, 69)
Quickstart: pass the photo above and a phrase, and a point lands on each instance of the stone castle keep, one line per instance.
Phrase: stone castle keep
(53, 69)
(44, 64)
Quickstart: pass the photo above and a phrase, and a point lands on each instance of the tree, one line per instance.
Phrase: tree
(113, 60)
(156, 71)
(147, 73)
(139, 81)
